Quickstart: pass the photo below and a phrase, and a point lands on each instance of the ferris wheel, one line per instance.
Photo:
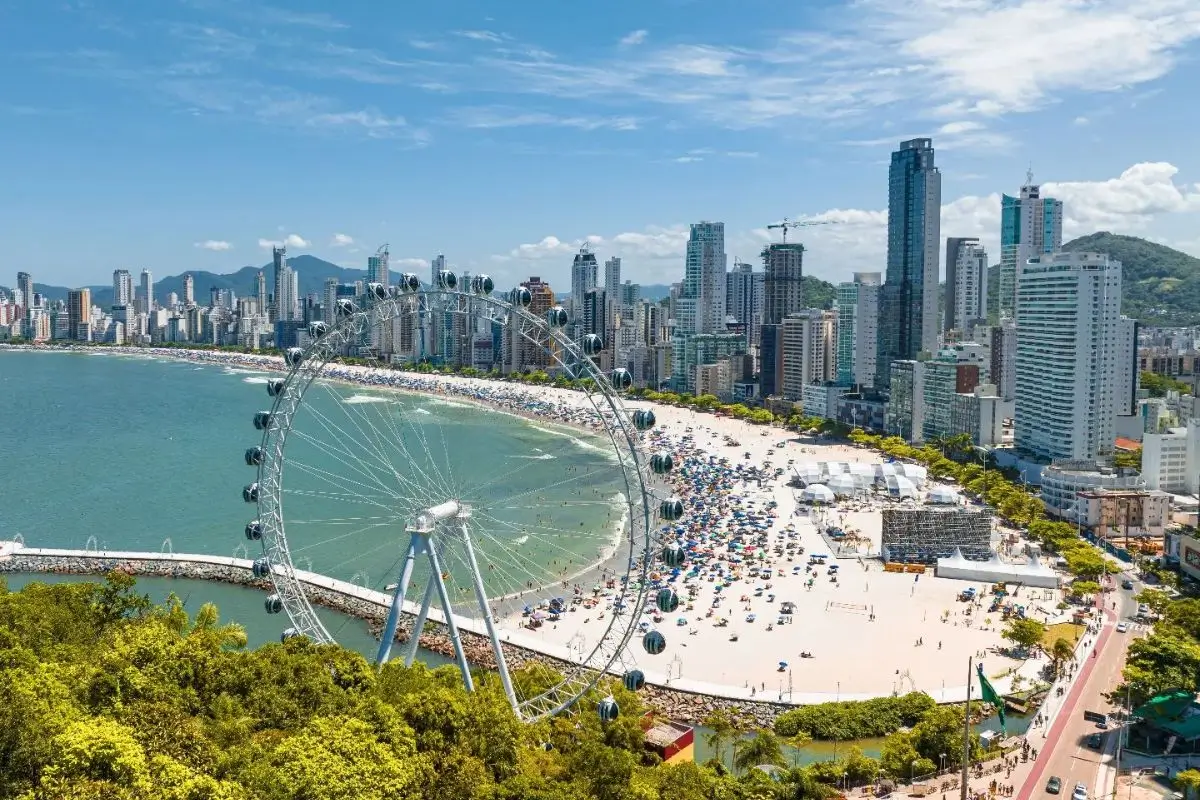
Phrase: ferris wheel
(457, 513)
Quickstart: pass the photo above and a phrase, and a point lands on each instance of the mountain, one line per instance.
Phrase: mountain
(313, 272)
(1160, 285)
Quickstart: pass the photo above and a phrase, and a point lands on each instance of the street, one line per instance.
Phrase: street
(1064, 751)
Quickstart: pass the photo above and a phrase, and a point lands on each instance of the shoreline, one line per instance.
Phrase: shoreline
(419, 385)
(674, 702)
(864, 633)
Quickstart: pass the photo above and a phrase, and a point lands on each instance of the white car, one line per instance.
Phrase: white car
(1122, 627)
(1080, 792)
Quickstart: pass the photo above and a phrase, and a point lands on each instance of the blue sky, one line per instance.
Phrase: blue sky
(189, 134)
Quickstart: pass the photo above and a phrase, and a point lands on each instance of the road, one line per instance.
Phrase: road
(1065, 752)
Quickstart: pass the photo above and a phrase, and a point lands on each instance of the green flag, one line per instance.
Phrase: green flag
(989, 694)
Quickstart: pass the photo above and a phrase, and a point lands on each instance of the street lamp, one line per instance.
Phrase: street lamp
(845, 781)
(943, 762)
(912, 772)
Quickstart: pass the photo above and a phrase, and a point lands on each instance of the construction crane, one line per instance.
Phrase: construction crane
(788, 224)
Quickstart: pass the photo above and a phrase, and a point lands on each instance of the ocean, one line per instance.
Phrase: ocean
(139, 453)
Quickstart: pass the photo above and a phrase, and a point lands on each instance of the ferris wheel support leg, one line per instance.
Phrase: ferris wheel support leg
(448, 612)
(415, 544)
(497, 648)
(414, 639)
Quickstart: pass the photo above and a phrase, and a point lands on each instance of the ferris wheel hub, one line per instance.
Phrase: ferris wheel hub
(429, 519)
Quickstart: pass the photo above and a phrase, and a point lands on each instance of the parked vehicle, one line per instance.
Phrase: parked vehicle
(1054, 785)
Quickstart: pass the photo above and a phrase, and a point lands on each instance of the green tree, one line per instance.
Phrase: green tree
(1188, 782)
(721, 732)
(1061, 652)
(764, 747)
(1024, 632)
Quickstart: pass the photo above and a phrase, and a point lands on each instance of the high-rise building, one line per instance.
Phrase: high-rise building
(612, 279)
(377, 266)
(260, 293)
(966, 283)
(1030, 226)
(1128, 372)
(25, 287)
(783, 293)
(857, 329)
(744, 298)
(122, 288)
(1069, 338)
(146, 304)
(908, 313)
(809, 350)
(704, 276)
(189, 290)
(523, 354)
(79, 314)
(1003, 346)
(280, 287)
(583, 279)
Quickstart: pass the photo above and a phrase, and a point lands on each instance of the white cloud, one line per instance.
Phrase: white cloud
(855, 240)
(507, 117)
(215, 245)
(634, 38)
(481, 36)
(952, 60)
(1082, 121)
(341, 240)
(409, 263)
(291, 240)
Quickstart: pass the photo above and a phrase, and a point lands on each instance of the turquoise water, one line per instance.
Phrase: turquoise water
(148, 454)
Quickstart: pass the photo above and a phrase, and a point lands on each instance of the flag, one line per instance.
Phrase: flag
(990, 696)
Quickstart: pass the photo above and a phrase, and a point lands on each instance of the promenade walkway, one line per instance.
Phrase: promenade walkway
(98, 561)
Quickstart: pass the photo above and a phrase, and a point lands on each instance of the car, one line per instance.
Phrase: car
(1122, 627)
(1102, 724)
(1126, 584)
(1054, 785)
(1094, 740)
(1080, 792)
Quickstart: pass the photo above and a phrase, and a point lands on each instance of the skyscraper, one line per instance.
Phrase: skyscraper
(612, 279)
(1069, 339)
(583, 279)
(908, 320)
(966, 283)
(147, 300)
(122, 288)
(189, 290)
(25, 287)
(377, 266)
(857, 329)
(79, 314)
(1030, 226)
(260, 293)
(783, 291)
(704, 276)
(744, 298)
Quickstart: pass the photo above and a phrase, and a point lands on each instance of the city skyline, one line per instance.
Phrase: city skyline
(661, 118)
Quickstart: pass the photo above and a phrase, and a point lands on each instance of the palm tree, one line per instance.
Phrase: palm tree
(763, 748)
(722, 731)
(798, 742)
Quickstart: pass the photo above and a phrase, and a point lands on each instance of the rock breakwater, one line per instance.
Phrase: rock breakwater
(688, 707)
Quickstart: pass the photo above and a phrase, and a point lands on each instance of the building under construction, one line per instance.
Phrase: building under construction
(925, 534)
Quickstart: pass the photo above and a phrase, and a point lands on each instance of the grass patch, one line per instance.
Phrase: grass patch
(1071, 631)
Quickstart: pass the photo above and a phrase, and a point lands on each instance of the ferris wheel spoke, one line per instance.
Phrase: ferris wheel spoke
(342, 537)
(340, 520)
(548, 487)
(368, 442)
(342, 482)
(342, 452)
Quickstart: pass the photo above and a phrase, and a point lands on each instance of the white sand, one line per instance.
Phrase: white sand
(853, 655)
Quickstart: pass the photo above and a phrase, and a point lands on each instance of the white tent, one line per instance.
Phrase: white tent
(845, 485)
(835, 468)
(900, 486)
(808, 472)
(818, 493)
(915, 473)
(996, 570)
(884, 471)
(944, 495)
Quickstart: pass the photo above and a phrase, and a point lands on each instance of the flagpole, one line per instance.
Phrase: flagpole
(966, 764)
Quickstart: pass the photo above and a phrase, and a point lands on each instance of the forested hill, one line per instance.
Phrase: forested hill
(1161, 285)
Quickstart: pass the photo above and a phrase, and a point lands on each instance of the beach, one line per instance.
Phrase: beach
(869, 632)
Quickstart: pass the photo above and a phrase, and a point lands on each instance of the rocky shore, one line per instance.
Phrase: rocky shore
(679, 705)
